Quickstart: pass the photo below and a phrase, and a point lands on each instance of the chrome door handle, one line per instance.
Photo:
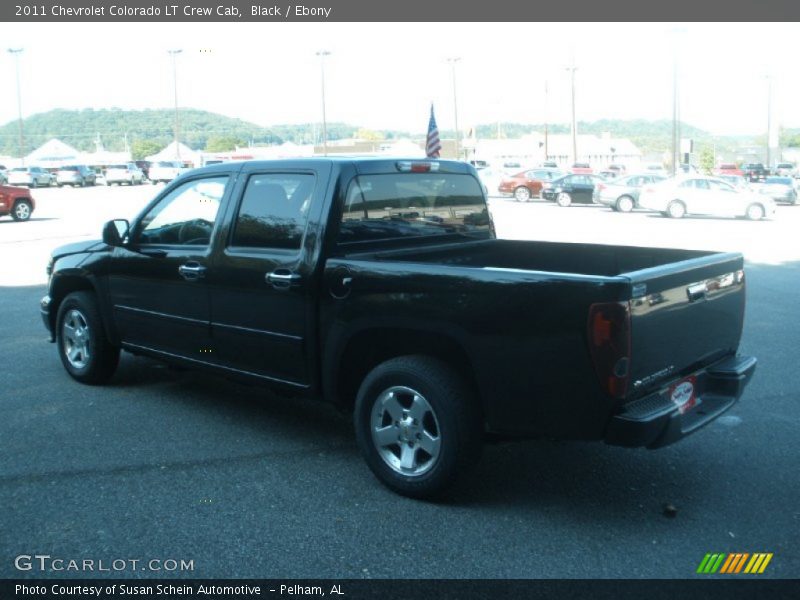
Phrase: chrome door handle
(192, 271)
(283, 278)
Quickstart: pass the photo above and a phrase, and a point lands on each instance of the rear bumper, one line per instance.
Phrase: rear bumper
(654, 421)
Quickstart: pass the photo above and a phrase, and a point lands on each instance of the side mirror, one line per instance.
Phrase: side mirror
(114, 232)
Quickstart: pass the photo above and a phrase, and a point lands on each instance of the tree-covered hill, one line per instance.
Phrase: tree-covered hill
(147, 131)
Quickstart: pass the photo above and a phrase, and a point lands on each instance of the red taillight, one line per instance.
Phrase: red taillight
(417, 167)
(600, 187)
(609, 333)
(648, 190)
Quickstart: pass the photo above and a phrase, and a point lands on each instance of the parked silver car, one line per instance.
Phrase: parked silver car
(75, 175)
(30, 177)
(622, 193)
(780, 189)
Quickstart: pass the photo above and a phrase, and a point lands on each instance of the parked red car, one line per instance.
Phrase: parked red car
(728, 169)
(527, 184)
(17, 202)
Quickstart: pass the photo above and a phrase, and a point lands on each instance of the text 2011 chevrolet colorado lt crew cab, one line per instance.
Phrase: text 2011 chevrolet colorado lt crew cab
(379, 286)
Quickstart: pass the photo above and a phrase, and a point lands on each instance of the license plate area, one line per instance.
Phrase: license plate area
(683, 394)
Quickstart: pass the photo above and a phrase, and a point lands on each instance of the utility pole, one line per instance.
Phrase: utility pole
(572, 68)
(322, 54)
(769, 121)
(546, 118)
(452, 62)
(174, 53)
(15, 52)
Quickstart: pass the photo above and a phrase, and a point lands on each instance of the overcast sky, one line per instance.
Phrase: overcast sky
(384, 75)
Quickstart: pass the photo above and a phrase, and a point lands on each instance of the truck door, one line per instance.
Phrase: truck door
(157, 282)
(261, 308)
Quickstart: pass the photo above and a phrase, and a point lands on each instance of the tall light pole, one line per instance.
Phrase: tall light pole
(769, 120)
(15, 52)
(546, 118)
(452, 62)
(677, 35)
(174, 54)
(675, 131)
(322, 54)
(572, 68)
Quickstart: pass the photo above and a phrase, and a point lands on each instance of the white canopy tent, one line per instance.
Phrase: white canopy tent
(177, 151)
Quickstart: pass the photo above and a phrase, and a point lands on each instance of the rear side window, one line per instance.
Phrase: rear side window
(403, 205)
(273, 211)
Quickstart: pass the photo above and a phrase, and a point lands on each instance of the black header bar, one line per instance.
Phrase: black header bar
(397, 10)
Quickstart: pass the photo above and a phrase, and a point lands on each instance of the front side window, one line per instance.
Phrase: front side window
(274, 211)
(186, 215)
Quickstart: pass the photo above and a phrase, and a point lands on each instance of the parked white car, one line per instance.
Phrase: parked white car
(165, 170)
(697, 195)
(128, 173)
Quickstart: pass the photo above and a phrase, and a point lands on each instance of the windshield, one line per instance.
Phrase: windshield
(393, 206)
(781, 180)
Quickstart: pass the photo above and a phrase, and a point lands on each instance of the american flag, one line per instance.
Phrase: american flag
(433, 146)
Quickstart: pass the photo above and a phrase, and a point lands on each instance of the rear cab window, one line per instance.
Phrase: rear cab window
(412, 205)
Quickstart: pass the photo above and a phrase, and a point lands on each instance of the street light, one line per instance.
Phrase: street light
(15, 52)
(546, 118)
(769, 119)
(322, 54)
(174, 54)
(452, 62)
(572, 68)
(677, 33)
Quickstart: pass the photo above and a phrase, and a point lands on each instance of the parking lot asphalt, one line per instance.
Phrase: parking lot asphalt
(165, 464)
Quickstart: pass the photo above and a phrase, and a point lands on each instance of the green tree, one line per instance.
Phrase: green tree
(370, 135)
(223, 143)
(706, 160)
(143, 148)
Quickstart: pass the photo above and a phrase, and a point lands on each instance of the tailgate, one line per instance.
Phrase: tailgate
(683, 316)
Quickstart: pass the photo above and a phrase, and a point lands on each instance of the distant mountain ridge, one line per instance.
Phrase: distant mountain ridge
(115, 128)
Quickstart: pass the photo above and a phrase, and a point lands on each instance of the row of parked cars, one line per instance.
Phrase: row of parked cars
(131, 173)
(689, 193)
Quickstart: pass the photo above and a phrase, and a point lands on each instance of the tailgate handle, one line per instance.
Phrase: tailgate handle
(696, 292)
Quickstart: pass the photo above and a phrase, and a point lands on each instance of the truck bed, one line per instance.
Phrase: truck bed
(685, 306)
(556, 257)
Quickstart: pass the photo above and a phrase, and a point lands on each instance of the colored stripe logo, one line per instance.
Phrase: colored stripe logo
(735, 562)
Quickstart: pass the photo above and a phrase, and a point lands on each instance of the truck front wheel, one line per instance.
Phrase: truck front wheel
(83, 346)
(417, 425)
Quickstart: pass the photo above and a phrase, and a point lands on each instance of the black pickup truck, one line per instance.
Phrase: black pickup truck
(379, 285)
(754, 172)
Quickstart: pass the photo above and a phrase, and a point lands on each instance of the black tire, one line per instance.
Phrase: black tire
(625, 204)
(564, 200)
(33, 183)
(522, 194)
(22, 210)
(676, 209)
(755, 212)
(454, 412)
(100, 356)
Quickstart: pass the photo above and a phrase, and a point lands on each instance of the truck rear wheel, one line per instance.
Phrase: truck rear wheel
(417, 425)
(83, 346)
